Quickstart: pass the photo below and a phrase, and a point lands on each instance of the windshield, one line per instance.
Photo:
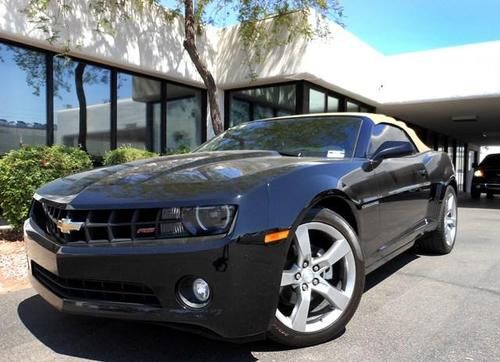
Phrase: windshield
(333, 137)
(491, 160)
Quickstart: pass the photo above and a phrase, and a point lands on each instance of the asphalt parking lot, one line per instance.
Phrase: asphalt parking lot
(417, 307)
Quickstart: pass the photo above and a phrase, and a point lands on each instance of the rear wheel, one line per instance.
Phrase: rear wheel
(322, 281)
(442, 240)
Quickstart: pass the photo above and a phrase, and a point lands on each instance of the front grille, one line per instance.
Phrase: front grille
(106, 226)
(95, 290)
(492, 176)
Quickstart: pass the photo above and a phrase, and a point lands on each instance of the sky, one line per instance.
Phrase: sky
(399, 26)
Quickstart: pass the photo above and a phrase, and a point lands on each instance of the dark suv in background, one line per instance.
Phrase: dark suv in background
(487, 177)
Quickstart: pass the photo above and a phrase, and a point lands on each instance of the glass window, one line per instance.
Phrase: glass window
(22, 98)
(352, 107)
(316, 101)
(383, 136)
(256, 103)
(240, 111)
(98, 95)
(76, 85)
(333, 137)
(137, 113)
(184, 117)
(333, 104)
(261, 112)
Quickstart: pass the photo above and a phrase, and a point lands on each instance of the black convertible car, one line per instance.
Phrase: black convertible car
(265, 230)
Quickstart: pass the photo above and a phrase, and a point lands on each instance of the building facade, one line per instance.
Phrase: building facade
(140, 89)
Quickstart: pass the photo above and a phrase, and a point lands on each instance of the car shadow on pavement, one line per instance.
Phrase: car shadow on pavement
(465, 201)
(390, 268)
(113, 340)
(116, 340)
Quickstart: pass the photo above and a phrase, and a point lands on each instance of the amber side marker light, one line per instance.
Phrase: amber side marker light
(276, 236)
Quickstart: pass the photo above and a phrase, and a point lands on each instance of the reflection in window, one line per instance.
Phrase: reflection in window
(240, 111)
(261, 112)
(256, 103)
(137, 113)
(316, 101)
(310, 136)
(77, 85)
(183, 117)
(333, 104)
(352, 107)
(22, 98)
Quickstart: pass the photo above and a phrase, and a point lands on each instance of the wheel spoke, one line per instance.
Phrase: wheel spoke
(334, 296)
(450, 203)
(288, 276)
(303, 243)
(301, 310)
(337, 251)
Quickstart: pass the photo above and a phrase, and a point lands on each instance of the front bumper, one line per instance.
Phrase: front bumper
(485, 185)
(244, 280)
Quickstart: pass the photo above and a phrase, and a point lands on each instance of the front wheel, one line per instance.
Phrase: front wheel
(322, 281)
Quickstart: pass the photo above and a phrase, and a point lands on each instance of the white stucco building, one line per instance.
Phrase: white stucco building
(142, 89)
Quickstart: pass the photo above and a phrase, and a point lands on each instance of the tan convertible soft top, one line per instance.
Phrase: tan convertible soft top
(376, 118)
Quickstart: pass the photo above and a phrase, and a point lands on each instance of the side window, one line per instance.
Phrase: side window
(385, 136)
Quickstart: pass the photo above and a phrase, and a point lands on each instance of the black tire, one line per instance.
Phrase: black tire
(435, 241)
(489, 195)
(282, 334)
(475, 194)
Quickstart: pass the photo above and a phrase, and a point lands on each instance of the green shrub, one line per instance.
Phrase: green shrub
(24, 170)
(179, 150)
(125, 154)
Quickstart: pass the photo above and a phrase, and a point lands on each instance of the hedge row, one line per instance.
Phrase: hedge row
(24, 170)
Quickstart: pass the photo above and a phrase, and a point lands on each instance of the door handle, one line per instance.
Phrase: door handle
(422, 173)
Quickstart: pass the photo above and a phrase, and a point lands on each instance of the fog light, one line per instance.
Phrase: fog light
(201, 290)
(194, 292)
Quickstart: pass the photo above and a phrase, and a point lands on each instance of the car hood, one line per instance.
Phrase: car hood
(184, 179)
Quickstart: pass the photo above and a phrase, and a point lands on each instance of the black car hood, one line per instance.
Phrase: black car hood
(196, 177)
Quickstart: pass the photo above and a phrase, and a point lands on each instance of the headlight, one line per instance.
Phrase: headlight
(479, 173)
(196, 221)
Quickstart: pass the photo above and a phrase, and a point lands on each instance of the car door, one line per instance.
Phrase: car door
(404, 189)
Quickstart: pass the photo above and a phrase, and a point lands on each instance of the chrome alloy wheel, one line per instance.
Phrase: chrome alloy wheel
(450, 219)
(319, 278)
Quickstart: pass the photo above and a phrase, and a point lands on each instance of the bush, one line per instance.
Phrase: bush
(179, 150)
(125, 154)
(24, 170)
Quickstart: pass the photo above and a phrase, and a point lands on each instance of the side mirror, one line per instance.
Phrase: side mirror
(394, 149)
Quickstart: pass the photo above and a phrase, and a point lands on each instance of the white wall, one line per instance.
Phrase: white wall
(146, 44)
(341, 62)
(450, 73)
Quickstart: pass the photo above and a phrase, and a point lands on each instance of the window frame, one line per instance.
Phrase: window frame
(49, 94)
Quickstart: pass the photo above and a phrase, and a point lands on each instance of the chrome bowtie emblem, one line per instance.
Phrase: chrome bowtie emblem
(67, 226)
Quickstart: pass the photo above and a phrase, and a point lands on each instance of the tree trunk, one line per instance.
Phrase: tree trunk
(82, 102)
(206, 75)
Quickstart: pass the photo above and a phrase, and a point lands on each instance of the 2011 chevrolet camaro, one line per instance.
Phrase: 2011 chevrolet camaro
(266, 230)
